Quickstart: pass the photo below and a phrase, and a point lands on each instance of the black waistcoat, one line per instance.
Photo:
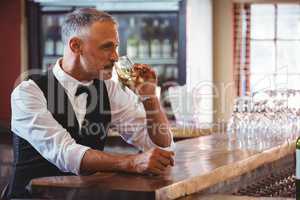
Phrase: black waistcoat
(28, 163)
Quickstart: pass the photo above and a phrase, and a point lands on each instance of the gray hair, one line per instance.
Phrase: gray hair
(76, 21)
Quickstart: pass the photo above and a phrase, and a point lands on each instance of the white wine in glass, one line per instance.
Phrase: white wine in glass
(124, 70)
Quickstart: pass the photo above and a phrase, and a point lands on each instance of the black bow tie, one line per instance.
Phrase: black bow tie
(82, 89)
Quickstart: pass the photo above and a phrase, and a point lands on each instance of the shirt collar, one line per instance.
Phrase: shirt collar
(68, 82)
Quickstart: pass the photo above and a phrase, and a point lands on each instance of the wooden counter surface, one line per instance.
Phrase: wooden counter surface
(199, 163)
(231, 197)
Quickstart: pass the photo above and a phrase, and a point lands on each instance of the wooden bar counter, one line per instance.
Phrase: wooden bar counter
(200, 163)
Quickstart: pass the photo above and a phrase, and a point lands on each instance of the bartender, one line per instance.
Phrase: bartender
(60, 119)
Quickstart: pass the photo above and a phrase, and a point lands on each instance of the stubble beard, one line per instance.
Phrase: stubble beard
(105, 74)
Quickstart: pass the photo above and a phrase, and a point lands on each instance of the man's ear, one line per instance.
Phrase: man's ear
(75, 45)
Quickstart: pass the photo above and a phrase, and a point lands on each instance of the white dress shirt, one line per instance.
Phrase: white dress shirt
(32, 120)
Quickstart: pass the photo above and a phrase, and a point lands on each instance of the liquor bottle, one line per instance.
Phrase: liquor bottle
(166, 42)
(49, 41)
(144, 50)
(168, 73)
(133, 40)
(175, 48)
(155, 42)
(298, 168)
(174, 39)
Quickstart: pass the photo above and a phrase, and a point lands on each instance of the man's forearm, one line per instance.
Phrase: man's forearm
(94, 161)
(158, 125)
(153, 161)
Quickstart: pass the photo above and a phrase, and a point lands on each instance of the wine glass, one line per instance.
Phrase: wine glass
(124, 69)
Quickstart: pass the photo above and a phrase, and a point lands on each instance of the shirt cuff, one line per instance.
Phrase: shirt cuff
(75, 158)
(171, 147)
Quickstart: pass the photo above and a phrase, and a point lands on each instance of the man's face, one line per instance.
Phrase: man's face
(100, 50)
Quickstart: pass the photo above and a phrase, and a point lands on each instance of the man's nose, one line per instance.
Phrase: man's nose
(114, 56)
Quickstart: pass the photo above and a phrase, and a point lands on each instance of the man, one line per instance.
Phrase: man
(60, 119)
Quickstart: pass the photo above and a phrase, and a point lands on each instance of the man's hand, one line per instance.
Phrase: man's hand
(144, 84)
(144, 80)
(154, 161)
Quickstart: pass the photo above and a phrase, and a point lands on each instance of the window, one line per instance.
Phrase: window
(267, 42)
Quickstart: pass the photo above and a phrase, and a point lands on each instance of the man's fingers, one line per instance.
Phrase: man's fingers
(144, 71)
(165, 161)
(165, 157)
(160, 165)
(166, 154)
(156, 161)
(172, 161)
